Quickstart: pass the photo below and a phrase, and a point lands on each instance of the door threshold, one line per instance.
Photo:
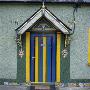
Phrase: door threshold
(43, 83)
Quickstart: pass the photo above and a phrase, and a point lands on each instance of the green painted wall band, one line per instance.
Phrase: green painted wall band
(21, 62)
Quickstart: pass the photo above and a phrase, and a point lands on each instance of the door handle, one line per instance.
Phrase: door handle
(33, 57)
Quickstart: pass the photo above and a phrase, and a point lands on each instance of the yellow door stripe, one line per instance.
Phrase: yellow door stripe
(36, 59)
(58, 58)
(44, 59)
(89, 47)
(27, 56)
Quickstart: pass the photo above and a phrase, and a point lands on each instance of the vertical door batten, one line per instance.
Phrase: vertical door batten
(36, 59)
(89, 47)
(58, 58)
(40, 59)
(27, 56)
(32, 59)
(53, 40)
(48, 76)
(44, 59)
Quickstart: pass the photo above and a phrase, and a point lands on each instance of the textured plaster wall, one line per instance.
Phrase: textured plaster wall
(79, 51)
(13, 15)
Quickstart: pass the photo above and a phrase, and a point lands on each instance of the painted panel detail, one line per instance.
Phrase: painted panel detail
(58, 58)
(40, 62)
(49, 61)
(32, 59)
(44, 59)
(53, 47)
(21, 62)
(36, 59)
(27, 56)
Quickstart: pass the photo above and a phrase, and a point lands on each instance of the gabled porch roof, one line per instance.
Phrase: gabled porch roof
(43, 12)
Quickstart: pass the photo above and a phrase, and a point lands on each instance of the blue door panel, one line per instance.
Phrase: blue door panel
(49, 59)
(53, 40)
(32, 62)
(40, 59)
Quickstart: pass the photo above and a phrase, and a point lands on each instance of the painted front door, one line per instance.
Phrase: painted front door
(43, 58)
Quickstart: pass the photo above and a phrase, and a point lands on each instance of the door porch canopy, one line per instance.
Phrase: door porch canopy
(43, 12)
